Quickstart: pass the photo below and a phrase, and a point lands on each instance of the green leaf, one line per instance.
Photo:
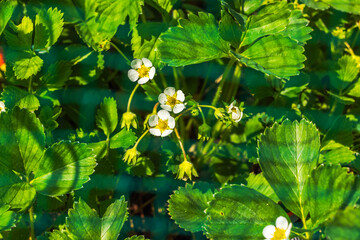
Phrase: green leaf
(340, 131)
(297, 28)
(6, 11)
(12, 95)
(287, 154)
(252, 5)
(276, 55)
(238, 212)
(84, 223)
(196, 40)
(349, 6)
(65, 167)
(346, 73)
(59, 235)
(341, 155)
(21, 36)
(167, 5)
(57, 75)
(230, 30)
(355, 90)
(30, 102)
(259, 183)
(107, 116)
(123, 139)
(53, 21)
(7, 218)
(271, 19)
(345, 225)
(141, 237)
(329, 188)
(27, 66)
(187, 205)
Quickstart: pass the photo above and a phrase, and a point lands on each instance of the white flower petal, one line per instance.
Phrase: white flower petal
(178, 108)
(230, 107)
(162, 98)
(269, 231)
(169, 91)
(133, 75)
(171, 122)
(146, 62)
(136, 63)
(235, 116)
(163, 114)
(143, 80)
(282, 223)
(287, 233)
(180, 96)
(153, 120)
(166, 107)
(166, 133)
(155, 131)
(152, 73)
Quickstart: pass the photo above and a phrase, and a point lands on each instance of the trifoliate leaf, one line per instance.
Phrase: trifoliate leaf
(276, 55)
(84, 223)
(187, 205)
(287, 154)
(20, 36)
(6, 11)
(259, 183)
(346, 73)
(107, 116)
(345, 225)
(27, 66)
(238, 212)
(65, 167)
(349, 6)
(7, 218)
(230, 30)
(329, 188)
(196, 40)
(53, 21)
(123, 139)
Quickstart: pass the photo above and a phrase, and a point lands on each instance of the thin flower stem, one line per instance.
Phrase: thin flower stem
(155, 107)
(202, 115)
(32, 227)
(121, 53)
(176, 78)
(30, 85)
(207, 106)
(131, 96)
(181, 144)
(187, 110)
(83, 58)
(142, 136)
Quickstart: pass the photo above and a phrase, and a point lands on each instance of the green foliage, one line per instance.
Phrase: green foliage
(238, 212)
(230, 30)
(345, 225)
(182, 45)
(6, 11)
(349, 6)
(123, 139)
(7, 218)
(287, 154)
(195, 201)
(107, 116)
(260, 184)
(346, 73)
(84, 222)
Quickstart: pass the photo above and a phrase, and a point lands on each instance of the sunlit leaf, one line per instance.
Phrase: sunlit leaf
(107, 116)
(52, 20)
(6, 11)
(123, 139)
(7, 218)
(345, 225)
(350, 6)
(260, 184)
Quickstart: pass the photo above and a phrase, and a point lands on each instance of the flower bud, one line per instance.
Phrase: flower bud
(131, 155)
(186, 168)
(129, 119)
(204, 132)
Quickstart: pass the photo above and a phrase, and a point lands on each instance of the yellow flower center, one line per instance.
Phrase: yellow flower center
(162, 125)
(1, 109)
(172, 101)
(279, 234)
(233, 109)
(143, 71)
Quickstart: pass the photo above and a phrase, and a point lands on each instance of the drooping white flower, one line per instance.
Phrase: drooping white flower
(161, 124)
(142, 71)
(172, 100)
(2, 106)
(235, 112)
(281, 230)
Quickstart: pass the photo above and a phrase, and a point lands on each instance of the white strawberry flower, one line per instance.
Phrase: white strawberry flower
(161, 124)
(2, 106)
(235, 112)
(279, 232)
(142, 71)
(172, 100)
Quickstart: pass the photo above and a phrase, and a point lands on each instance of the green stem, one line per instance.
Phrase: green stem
(163, 79)
(32, 226)
(180, 143)
(107, 147)
(30, 85)
(176, 78)
(131, 97)
(187, 110)
(207, 106)
(202, 115)
(121, 53)
(82, 58)
(142, 136)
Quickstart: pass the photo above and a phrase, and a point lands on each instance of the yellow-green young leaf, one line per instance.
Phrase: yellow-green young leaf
(355, 90)
(259, 183)
(329, 188)
(59, 235)
(65, 167)
(346, 73)
(196, 40)
(6, 11)
(275, 54)
(141, 237)
(7, 218)
(30, 102)
(84, 223)
(166, 5)
(350, 6)
(287, 155)
(20, 36)
(107, 116)
(187, 205)
(345, 225)
(238, 212)
(123, 139)
(271, 19)
(52, 22)
(28, 66)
